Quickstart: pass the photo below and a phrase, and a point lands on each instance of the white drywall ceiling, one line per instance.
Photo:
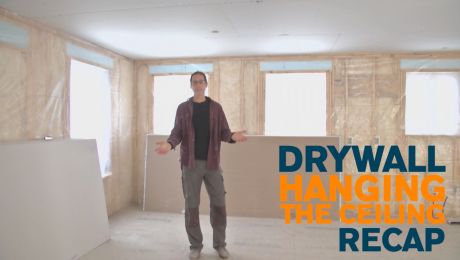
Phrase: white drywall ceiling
(180, 28)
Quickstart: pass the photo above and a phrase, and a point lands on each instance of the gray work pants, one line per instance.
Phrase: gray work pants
(192, 179)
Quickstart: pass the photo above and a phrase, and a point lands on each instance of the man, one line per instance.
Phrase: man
(200, 126)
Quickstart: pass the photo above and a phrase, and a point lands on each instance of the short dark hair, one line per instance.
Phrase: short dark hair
(199, 73)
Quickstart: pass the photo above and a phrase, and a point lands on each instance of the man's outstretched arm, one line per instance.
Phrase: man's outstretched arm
(163, 147)
(226, 134)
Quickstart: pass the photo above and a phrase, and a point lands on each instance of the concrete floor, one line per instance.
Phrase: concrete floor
(138, 235)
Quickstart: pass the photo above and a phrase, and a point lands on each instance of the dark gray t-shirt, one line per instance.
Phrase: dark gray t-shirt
(201, 126)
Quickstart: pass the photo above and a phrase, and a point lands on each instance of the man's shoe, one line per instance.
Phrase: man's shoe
(223, 253)
(194, 253)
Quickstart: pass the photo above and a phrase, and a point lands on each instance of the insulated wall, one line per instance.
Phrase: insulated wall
(34, 95)
(366, 98)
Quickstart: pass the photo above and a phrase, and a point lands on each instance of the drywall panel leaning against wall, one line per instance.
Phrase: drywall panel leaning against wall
(51, 200)
(250, 170)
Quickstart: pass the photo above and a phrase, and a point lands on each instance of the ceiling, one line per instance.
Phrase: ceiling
(144, 29)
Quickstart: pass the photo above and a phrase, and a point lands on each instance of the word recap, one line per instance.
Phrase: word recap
(366, 198)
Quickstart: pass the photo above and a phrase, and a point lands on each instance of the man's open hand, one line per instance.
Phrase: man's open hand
(163, 147)
(239, 136)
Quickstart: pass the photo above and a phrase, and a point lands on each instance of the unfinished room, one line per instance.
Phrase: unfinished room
(229, 129)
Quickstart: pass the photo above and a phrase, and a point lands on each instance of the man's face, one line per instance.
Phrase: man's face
(198, 84)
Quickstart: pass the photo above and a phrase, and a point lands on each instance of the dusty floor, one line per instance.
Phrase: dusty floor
(138, 235)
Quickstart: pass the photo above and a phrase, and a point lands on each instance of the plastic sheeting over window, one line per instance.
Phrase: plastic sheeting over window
(90, 56)
(180, 68)
(314, 65)
(13, 34)
(419, 64)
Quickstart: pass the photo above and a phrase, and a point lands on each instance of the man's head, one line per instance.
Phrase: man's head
(198, 82)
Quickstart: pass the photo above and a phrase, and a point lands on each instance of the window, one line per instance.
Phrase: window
(168, 92)
(432, 103)
(295, 104)
(90, 108)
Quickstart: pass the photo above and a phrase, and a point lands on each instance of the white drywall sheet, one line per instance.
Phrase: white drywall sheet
(51, 200)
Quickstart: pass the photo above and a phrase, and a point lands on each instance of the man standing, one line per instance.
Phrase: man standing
(200, 126)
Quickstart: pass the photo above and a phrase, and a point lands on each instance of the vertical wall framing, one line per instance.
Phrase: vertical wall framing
(329, 104)
(261, 101)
